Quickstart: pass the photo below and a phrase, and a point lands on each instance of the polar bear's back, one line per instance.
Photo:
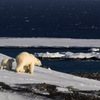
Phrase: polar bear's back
(4, 61)
(25, 57)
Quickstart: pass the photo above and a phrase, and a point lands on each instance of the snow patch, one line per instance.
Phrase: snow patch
(48, 42)
(68, 55)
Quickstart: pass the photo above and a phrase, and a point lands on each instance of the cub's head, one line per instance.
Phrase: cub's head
(12, 60)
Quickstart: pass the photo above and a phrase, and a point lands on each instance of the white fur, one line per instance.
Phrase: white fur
(26, 62)
(7, 63)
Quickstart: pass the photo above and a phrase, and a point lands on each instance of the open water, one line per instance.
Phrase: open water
(59, 65)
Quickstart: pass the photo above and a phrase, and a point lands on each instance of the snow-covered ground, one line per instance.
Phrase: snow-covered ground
(42, 75)
(49, 42)
(11, 96)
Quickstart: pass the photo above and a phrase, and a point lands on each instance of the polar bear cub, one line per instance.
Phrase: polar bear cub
(7, 63)
(25, 62)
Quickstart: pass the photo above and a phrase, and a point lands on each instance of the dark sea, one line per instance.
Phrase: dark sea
(79, 19)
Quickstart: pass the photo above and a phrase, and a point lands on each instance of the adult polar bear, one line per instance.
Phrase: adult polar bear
(26, 62)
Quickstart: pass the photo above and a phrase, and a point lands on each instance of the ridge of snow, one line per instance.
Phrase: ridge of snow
(49, 42)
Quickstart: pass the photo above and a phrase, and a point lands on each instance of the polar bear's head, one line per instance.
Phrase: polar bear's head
(38, 62)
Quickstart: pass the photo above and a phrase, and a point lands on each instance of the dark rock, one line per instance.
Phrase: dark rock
(4, 86)
(95, 76)
(54, 94)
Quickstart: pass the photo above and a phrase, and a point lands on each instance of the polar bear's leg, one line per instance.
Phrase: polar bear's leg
(7, 67)
(31, 68)
(22, 70)
(2, 66)
(10, 66)
(26, 68)
(19, 68)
